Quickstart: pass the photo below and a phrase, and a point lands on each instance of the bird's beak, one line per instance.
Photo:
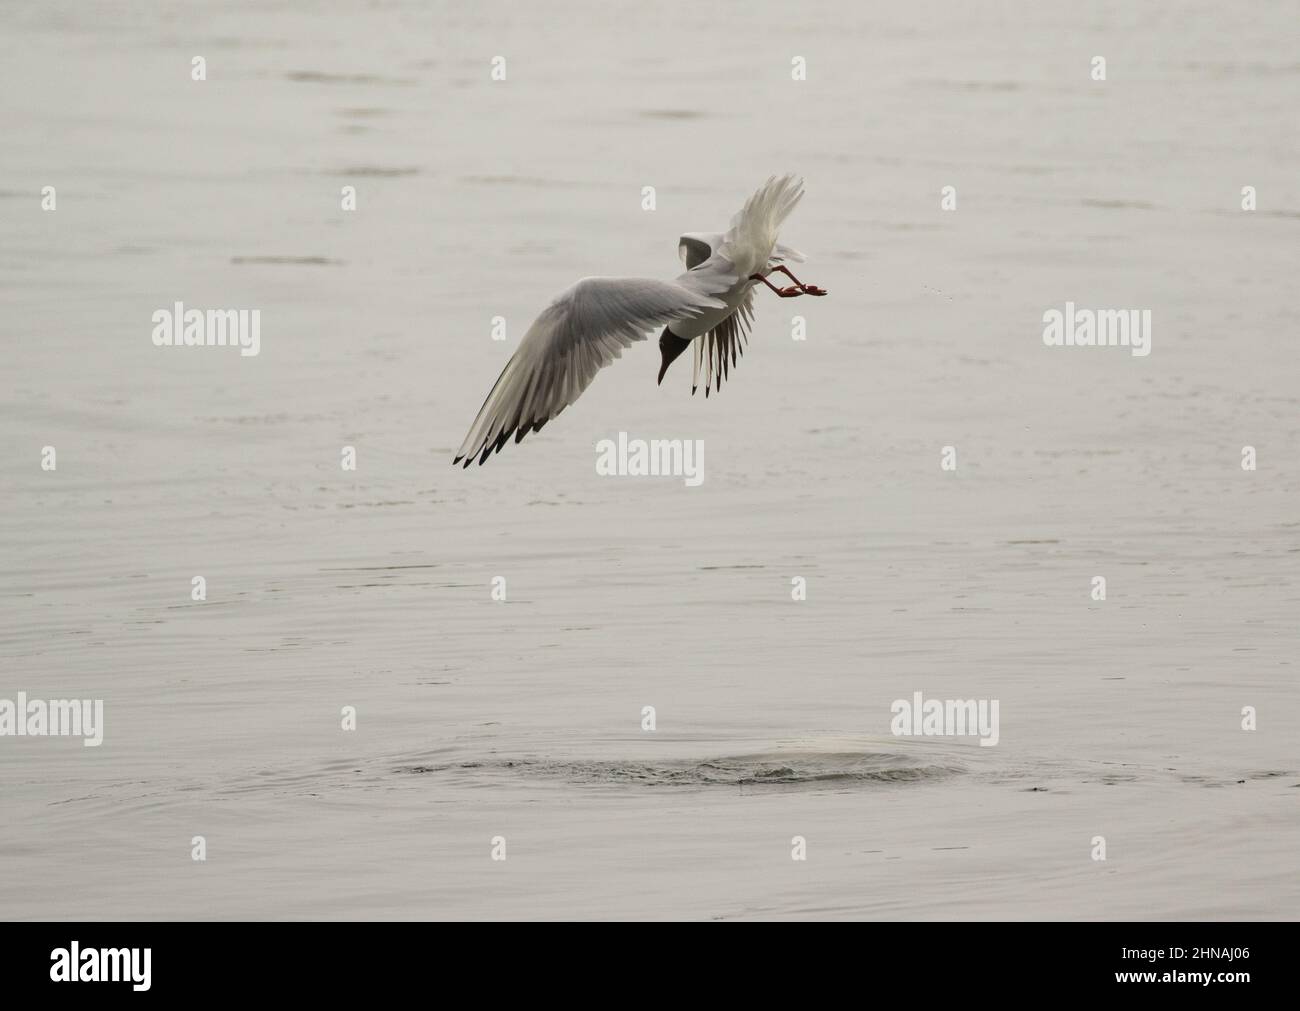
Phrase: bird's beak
(670, 346)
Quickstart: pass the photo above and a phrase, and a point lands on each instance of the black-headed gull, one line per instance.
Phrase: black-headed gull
(590, 324)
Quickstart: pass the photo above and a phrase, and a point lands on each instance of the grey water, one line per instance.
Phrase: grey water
(522, 719)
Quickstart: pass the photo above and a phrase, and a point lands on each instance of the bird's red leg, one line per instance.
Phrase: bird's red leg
(807, 289)
(782, 292)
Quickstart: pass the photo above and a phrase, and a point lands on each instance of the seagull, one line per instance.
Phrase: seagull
(587, 326)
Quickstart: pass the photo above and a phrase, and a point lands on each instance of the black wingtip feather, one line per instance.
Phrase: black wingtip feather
(496, 445)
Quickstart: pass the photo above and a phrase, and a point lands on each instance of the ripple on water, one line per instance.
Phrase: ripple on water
(777, 769)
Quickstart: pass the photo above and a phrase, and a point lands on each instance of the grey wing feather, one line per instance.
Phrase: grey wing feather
(577, 335)
(695, 248)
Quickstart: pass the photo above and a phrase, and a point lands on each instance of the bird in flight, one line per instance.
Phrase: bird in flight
(586, 327)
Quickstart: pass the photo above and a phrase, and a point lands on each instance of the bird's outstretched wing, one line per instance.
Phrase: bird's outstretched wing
(751, 239)
(716, 260)
(719, 349)
(577, 335)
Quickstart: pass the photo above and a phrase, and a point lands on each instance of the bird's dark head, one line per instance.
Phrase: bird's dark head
(670, 346)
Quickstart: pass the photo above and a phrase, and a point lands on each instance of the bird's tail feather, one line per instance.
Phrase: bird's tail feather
(788, 253)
